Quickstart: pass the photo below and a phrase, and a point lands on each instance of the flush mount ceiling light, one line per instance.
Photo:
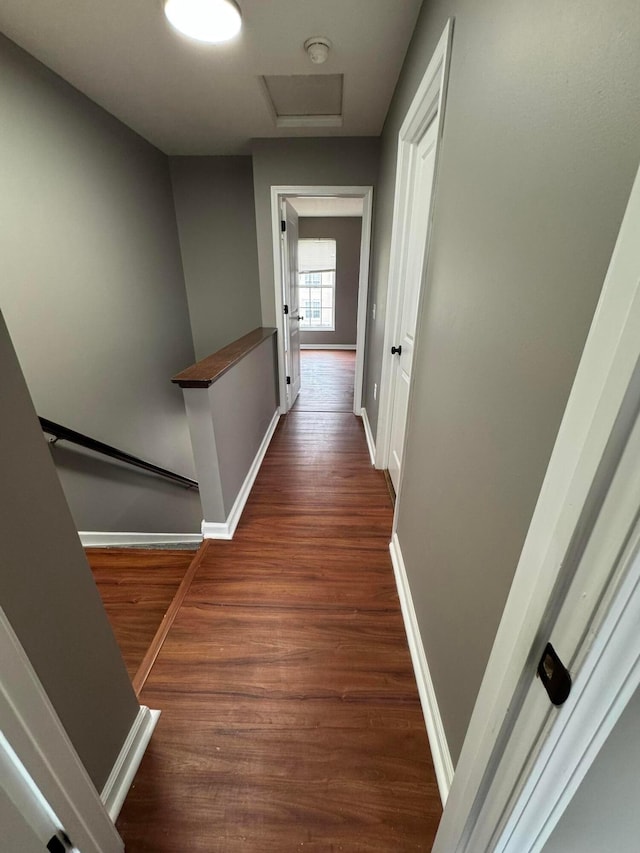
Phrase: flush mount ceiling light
(212, 21)
(317, 48)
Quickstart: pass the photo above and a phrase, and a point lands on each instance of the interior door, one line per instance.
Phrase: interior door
(27, 820)
(410, 285)
(291, 301)
(17, 834)
(535, 731)
(43, 785)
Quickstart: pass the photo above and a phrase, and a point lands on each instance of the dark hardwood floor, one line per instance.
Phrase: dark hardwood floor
(290, 716)
(137, 586)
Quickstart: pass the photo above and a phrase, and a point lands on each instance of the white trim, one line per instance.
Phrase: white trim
(530, 787)
(117, 785)
(278, 193)
(328, 346)
(19, 787)
(604, 397)
(363, 298)
(368, 435)
(428, 105)
(608, 679)
(35, 733)
(333, 120)
(442, 762)
(93, 539)
(309, 121)
(226, 529)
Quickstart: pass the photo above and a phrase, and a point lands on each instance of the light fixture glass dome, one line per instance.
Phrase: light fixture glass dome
(206, 20)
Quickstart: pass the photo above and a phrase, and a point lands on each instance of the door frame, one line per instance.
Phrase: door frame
(35, 733)
(278, 195)
(428, 105)
(287, 287)
(505, 799)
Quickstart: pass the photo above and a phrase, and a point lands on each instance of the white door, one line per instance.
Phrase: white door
(43, 784)
(409, 290)
(27, 820)
(291, 301)
(534, 732)
(17, 835)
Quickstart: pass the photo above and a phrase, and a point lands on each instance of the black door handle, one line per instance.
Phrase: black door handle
(397, 350)
(300, 318)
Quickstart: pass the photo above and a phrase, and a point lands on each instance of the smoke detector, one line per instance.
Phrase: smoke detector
(317, 48)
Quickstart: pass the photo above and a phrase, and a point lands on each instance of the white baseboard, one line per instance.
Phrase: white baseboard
(117, 785)
(91, 539)
(435, 730)
(369, 435)
(327, 346)
(226, 529)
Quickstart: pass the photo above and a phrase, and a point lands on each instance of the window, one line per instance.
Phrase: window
(317, 267)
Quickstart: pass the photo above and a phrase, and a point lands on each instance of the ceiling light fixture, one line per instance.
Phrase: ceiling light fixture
(317, 48)
(212, 21)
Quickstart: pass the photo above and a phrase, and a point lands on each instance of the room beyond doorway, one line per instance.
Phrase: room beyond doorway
(315, 201)
(327, 381)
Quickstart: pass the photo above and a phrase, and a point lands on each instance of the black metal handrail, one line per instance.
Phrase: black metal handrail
(62, 433)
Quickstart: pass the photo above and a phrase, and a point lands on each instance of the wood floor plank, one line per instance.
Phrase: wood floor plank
(327, 381)
(137, 586)
(355, 784)
(162, 631)
(290, 715)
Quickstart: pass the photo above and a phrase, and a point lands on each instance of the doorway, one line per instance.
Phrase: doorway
(416, 176)
(310, 309)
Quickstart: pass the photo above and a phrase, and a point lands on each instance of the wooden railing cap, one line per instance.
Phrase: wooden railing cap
(204, 373)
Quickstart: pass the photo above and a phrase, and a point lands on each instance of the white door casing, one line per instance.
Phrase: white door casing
(17, 832)
(28, 822)
(577, 585)
(36, 736)
(417, 166)
(409, 289)
(291, 291)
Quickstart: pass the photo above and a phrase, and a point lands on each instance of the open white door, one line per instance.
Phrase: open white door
(291, 302)
(44, 787)
(409, 287)
(577, 587)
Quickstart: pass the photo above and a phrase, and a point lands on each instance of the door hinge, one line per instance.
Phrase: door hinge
(60, 843)
(286, 309)
(554, 676)
(288, 380)
(283, 225)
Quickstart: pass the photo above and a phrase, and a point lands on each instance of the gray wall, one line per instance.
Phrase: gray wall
(217, 226)
(346, 231)
(244, 402)
(603, 815)
(540, 147)
(47, 589)
(92, 290)
(350, 161)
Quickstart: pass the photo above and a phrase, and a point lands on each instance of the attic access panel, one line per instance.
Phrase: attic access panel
(305, 100)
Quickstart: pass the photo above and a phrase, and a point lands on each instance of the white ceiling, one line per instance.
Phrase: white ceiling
(191, 98)
(316, 206)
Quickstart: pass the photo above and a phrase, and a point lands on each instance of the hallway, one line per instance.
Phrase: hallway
(327, 380)
(290, 715)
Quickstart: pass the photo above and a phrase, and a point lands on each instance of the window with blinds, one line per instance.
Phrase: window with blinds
(317, 268)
